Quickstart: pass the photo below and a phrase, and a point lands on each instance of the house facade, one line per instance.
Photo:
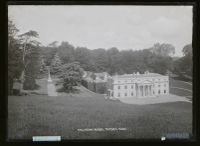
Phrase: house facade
(138, 85)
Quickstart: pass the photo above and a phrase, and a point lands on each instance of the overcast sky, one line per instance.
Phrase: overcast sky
(124, 27)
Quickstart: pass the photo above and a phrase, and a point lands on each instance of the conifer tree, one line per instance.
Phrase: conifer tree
(55, 64)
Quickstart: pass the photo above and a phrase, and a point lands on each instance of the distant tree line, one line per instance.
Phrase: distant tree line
(158, 58)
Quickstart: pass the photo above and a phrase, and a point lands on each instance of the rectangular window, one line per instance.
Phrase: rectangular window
(158, 91)
(125, 94)
(132, 86)
(118, 94)
(131, 93)
(118, 87)
(164, 91)
(125, 87)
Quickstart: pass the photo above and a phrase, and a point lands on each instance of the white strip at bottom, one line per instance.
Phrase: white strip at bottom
(46, 138)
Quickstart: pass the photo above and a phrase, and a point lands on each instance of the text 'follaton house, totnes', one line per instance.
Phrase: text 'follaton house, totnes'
(138, 85)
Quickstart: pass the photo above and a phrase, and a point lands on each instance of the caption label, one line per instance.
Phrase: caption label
(102, 129)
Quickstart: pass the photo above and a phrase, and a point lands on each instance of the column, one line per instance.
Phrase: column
(143, 90)
(138, 90)
(134, 87)
(148, 90)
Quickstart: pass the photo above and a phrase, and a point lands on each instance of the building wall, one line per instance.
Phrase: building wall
(126, 90)
(128, 86)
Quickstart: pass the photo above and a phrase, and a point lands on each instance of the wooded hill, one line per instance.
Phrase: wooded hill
(158, 58)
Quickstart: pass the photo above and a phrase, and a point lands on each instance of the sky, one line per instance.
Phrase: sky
(124, 27)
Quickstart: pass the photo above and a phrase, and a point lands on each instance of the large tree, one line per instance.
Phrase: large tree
(163, 49)
(66, 52)
(183, 66)
(56, 64)
(28, 42)
(71, 74)
(84, 57)
(33, 68)
(14, 55)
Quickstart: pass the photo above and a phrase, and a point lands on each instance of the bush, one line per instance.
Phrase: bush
(101, 88)
(72, 76)
(84, 83)
(30, 84)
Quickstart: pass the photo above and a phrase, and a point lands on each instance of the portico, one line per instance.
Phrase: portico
(144, 89)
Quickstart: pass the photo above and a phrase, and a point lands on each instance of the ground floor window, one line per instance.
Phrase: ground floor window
(118, 94)
(131, 93)
(164, 91)
(125, 94)
(158, 91)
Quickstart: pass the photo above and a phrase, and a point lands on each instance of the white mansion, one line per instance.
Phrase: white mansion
(138, 85)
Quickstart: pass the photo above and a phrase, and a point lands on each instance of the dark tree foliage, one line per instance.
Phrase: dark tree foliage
(183, 65)
(14, 56)
(158, 58)
(163, 49)
(66, 52)
(84, 56)
(71, 74)
(33, 69)
(48, 54)
(55, 64)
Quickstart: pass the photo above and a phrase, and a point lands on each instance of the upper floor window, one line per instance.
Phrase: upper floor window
(125, 94)
(118, 87)
(125, 87)
(164, 91)
(131, 86)
(158, 91)
(118, 94)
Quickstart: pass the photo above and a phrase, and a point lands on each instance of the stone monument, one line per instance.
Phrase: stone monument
(49, 77)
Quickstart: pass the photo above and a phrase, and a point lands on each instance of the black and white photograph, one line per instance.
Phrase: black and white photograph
(87, 72)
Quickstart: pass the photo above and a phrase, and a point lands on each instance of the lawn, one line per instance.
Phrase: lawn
(63, 115)
(179, 86)
(43, 115)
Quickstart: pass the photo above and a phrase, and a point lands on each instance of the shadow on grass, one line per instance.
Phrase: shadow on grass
(73, 90)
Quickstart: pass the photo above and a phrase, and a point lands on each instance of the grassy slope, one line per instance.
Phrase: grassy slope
(63, 115)
(180, 84)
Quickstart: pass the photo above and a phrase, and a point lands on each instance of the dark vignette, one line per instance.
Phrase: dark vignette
(195, 43)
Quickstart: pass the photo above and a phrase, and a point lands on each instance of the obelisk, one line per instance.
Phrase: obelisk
(49, 78)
